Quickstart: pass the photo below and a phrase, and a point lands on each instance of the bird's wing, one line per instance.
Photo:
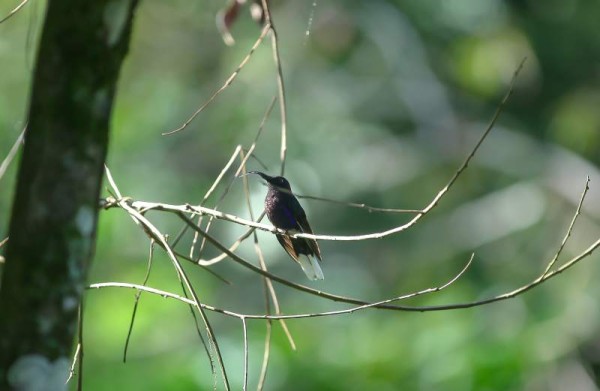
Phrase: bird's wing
(288, 246)
(304, 227)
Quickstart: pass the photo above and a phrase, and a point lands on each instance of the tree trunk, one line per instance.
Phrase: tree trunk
(53, 222)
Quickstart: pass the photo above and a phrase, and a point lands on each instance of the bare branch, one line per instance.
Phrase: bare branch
(379, 304)
(73, 364)
(240, 167)
(154, 233)
(283, 281)
(2, 243)
(570, 229)
(235, 154)
(359, 205)
(137, 300)
(375, 235)
(258, 133)
(279, 317)
(268, 283)
(204, 267)
(14, 11)
(265, 363)
(78, 356)
(12, 153)
(245, 331)
(80, 346)
(227, 83)
(384, 304)
(280, 85)
(233, 247)
(524, 288)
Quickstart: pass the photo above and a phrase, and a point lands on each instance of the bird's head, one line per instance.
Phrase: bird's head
(274, 181)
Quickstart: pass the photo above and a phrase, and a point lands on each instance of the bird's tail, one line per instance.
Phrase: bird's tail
(310, 266)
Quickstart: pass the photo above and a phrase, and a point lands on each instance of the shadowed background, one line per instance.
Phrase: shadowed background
(384, 101)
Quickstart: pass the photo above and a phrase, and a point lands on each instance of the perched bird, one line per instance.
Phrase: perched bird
(284, 212)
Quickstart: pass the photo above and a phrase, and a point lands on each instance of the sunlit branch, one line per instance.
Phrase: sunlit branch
(73, 363)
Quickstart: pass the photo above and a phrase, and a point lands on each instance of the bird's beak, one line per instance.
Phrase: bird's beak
(262, 175)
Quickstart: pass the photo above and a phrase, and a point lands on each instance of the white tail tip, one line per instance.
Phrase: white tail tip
(310, 266)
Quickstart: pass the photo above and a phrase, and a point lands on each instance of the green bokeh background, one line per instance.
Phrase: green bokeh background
(385, 99)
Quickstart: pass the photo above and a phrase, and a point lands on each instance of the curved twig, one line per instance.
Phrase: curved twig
(227, 83)
(375, 235)
(14, 11)
(154, 233)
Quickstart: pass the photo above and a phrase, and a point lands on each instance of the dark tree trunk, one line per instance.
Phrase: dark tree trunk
(53, 222)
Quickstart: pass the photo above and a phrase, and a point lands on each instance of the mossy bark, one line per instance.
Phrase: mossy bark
(53, 221)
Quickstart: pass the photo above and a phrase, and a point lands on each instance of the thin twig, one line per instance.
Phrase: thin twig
(199, 332)
(153, 232)
(364, 305)
(243, 262)
(227, 83)
(375, 235)
(80, 344)
(137, 299)
(78, 349)
(271, 290)
(241, 166)
(147, 206)
(209, 270)
(225, 192)
(570, 229)
(281, 280)
(247, 264)
(245, 331)
(234, 155)
(14, 11)
(380, 304)
(13, 151)
(233, 247)
(258, 133)
(73, 364)
(368, 208)
(263, 265)
(266, 354)
(280, 85)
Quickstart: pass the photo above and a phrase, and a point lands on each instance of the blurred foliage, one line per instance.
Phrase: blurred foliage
(385, 99)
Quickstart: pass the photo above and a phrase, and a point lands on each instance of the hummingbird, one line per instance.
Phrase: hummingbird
(285, 212)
